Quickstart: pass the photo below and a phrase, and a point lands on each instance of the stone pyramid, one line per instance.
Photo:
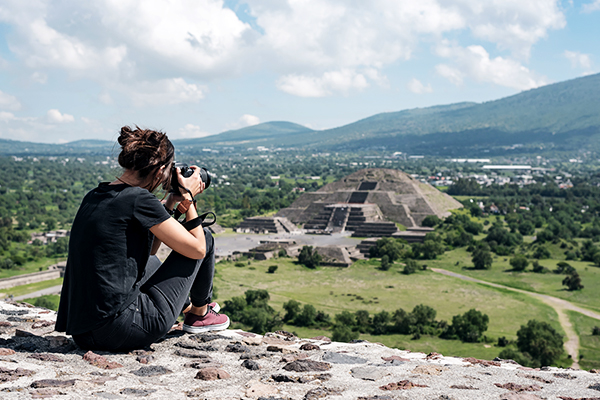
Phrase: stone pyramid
(383, 194)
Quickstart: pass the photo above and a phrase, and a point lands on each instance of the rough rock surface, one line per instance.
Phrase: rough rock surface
(36, 362)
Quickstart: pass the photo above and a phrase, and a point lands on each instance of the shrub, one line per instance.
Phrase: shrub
(431, 221)
(282, 253)
(540, 342)
(512, 354)
(240, 264)
(469, 327)
(292, 309)
(385, 263)
(272, 269)
(503, 341)
(573, 281)
(410, 267)
(541, 253)
(308, 257)
(596, 331)
(342, 333)
(482, 258)
(519, 262)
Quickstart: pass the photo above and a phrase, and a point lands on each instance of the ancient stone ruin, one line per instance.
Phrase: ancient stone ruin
(369, 203)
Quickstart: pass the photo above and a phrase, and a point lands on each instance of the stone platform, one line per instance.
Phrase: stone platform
(37, 363)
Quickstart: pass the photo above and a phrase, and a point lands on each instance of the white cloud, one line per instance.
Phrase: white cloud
(329, 83)
(579, 60)
(514, 25)
(591, 7)
(9, 102)
(39, 77)
(249, 120)
(6, 116)
(55, 116)
(475, 62)
(192, 131)
(415, 86)
(452, 74)
(165, 91)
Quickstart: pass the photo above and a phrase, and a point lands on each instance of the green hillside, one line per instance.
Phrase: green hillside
(275, 133)
(560, 117)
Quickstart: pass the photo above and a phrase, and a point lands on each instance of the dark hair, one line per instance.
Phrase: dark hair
(144, 150)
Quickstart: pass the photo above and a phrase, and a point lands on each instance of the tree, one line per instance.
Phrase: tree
(410, 267)
(343, 333)
(385, 263)
(307, 316)
(391, 247)
(292, 309)
(519, 262)
(469, 327)
(309, 257)
(541, 342)
(526, 228)
(272, 269)
(573, 281)
(363, 321)
(482, 258)
(564, 268)
(380, 323)
(541, 253)
(431, 221)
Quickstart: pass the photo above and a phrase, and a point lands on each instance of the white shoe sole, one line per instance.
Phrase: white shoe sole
(208, 328)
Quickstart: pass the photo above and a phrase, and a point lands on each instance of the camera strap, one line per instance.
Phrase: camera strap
(200, 220)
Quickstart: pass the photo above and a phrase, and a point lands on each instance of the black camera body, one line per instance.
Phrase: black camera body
(186, 171)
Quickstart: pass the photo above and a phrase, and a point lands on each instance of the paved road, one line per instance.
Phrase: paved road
(43, 292)
(559, 305)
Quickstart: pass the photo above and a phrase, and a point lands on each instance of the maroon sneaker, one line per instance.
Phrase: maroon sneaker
(212, 321)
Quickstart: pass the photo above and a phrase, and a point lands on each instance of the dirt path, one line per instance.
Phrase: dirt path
(559, 305)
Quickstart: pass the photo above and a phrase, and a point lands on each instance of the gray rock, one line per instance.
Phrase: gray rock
(338, 358)
(137, 392)
(368, 373)
(152, 370)
(307, 365)
(237, 348)
(251, 365)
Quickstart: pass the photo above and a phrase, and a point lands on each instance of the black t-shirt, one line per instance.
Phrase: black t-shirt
(108, 250)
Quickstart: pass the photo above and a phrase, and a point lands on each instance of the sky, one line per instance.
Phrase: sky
(72, 69)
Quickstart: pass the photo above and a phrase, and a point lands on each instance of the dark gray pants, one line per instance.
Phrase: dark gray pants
(163, 294)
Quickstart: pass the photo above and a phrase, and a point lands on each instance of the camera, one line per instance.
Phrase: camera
(186, 171)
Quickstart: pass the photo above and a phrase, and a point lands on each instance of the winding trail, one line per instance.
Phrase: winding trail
(559, 305)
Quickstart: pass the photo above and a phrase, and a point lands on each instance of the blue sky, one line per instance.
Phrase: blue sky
(73, 70)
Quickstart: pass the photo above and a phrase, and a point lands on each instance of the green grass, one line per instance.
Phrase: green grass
(29, 267)
(30, 288)
(589, 344)
(328, 290)
(49, 301)
(550, 283)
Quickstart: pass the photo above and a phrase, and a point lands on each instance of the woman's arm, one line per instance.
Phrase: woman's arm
(169, 204)
(191, 244)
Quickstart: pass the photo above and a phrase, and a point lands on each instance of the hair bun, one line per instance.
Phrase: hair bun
(144, 150)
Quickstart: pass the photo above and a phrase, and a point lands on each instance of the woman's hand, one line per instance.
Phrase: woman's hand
(193, 183)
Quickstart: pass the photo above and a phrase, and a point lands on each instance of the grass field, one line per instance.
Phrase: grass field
(30, 288)
(459, 261)
(29, 267)
(363, 286)
(589, 344)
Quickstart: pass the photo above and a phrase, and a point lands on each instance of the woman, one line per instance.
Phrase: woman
(116, 294)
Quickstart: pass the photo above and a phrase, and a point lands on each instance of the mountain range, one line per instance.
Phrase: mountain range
(564, 116)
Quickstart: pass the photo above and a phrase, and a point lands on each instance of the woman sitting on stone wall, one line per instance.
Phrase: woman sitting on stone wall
(116, 293)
